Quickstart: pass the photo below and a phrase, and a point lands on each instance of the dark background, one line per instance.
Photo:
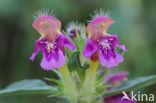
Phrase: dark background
(135, 24)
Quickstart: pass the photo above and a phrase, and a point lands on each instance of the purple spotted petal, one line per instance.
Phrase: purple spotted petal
(119, 45)
(53, 63)
(117, 78)
(117, 99)
(111, 62)
(66, 42)
(53, 56)
(90, 48)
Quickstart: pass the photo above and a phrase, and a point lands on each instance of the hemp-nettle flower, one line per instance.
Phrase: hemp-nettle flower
(115, 80)
(71, 30)
(101, 45)
(52, 41)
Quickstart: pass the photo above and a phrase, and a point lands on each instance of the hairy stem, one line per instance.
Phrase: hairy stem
(90, 81)
(70, 89)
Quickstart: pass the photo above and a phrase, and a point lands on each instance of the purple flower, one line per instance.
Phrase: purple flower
(101, 46)
(72, 28)
(51, 43)
(115, 80)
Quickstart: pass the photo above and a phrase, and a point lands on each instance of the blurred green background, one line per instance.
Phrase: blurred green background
(135, 24)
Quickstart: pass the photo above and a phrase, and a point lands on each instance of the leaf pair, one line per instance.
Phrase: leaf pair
(27, 87)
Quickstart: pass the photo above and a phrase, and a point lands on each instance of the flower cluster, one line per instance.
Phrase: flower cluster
(96, 48)
(100, 45)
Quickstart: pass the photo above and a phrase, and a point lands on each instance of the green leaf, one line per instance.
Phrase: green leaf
(81, 44)
(102, 87)
(100, 77)
(57, 73)
(59, 94)
(138, 83)
(83, 28)
(74, 64)
(77, 35)
(25, 87)
(58, 82)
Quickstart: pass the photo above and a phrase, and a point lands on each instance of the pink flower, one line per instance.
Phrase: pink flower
(100, 45)
(51, 43)
(114, 80)
(73, 28)
(117, 78)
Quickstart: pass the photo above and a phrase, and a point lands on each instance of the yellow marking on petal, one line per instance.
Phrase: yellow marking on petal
(50, 46)
(89, 35)
(104, 32)
(103, 27)
(42, 34)
(45, 24)
(106, 45)
(58, 31)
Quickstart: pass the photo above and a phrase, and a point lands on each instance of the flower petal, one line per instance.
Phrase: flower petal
(117, 78)
(66, 42)
(53, 63)
(122, 47)
(36, 50)
(119, 45)
(90, 48)
(47, 25)
(111, 62)
(99, 25)
(119, 58)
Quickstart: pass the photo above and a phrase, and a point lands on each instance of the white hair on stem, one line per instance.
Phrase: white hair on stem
(100, 12)
(44, 12)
